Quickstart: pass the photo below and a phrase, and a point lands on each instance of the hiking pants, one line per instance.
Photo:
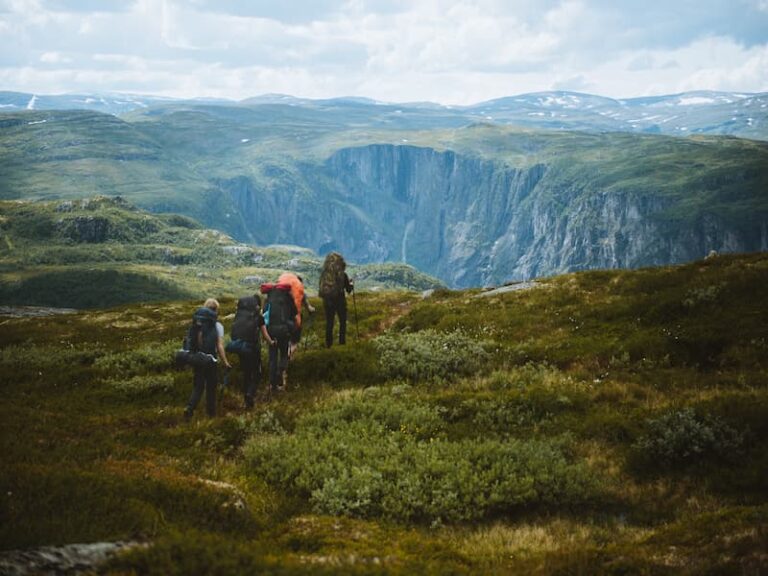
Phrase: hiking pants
(205, 378)
(251, 365)
(335, 306)
(278, 358)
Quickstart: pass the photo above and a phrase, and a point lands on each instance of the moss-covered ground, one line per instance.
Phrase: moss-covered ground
(598, 423)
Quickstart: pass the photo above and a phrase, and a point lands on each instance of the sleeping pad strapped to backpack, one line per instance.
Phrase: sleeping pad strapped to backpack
(199, 348)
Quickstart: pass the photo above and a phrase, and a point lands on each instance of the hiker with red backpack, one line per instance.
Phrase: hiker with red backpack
(280, 318)
(247, 329)
(206, 335)
(334, 282)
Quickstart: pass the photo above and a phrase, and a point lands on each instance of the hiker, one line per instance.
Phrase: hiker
(206, 335)
(280, 316)
(296, 283)
(247, 329)
(334, 282)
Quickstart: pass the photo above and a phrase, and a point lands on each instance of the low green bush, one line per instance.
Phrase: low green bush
(683, 437)
(429, 355)
(141, 385)
(41, 357)
(380, 456)
(147, 358)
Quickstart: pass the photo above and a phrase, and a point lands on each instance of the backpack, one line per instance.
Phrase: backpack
(278, 311)
(332, 276)
(246, 323)
(202, 335)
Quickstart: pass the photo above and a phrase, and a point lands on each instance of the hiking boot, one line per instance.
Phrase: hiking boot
(187, 414)
(249, 403)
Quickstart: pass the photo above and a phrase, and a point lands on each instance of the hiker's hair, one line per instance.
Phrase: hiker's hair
(212, 303)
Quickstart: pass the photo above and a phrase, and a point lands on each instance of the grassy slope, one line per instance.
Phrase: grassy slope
(48, 259)
(94, 446)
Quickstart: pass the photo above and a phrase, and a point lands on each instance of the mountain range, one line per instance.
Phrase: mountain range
(504, 190)
(696, 112)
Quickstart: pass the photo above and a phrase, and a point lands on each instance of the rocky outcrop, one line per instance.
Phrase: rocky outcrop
(88, 229)
(474, 222)
(55, 560)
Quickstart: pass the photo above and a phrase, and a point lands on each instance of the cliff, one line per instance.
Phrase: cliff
(473, 221)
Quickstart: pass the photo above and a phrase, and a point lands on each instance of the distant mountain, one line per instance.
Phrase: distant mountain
(473, 204)
(737, 114)
(107, 103)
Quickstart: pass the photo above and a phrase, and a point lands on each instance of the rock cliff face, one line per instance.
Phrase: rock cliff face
(472, 222)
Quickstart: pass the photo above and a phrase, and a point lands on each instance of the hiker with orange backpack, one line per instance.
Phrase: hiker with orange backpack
(299, 295)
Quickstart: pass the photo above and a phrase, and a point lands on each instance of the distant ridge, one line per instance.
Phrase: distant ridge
(695, 112)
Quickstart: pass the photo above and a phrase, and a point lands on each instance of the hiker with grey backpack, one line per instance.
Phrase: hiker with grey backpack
(247, 329)
(334, 283)
(280, 317)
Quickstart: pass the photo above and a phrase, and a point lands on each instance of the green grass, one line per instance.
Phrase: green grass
(102, 251)
(567, 450)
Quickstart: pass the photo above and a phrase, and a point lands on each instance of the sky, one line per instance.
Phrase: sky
(451, 52)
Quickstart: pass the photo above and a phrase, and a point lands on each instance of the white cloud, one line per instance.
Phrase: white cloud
(459, 51)
(54, 58)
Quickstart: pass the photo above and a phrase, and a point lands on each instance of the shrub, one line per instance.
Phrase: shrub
(147, 358)
(684, 437)
(429, 355)
(142, 385)
(377, 456)
(40, 357)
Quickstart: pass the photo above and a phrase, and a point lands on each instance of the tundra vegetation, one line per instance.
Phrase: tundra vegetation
(598, 423)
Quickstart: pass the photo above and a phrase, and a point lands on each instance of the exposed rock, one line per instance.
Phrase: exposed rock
(514, 287)
(57, 560)
(88, 229)
(258, 280)
(236, 249)
(33, 311)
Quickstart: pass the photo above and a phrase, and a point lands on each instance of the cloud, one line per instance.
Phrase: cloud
(54, 58)
(452, 51)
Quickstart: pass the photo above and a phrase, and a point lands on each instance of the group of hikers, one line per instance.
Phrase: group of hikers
(278, 323)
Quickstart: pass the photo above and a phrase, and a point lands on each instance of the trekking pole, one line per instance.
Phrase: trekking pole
(354, 304)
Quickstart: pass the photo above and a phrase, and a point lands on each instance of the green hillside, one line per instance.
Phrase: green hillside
(170, 158)
(472, 204)
(592, 423)
(102, 251)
